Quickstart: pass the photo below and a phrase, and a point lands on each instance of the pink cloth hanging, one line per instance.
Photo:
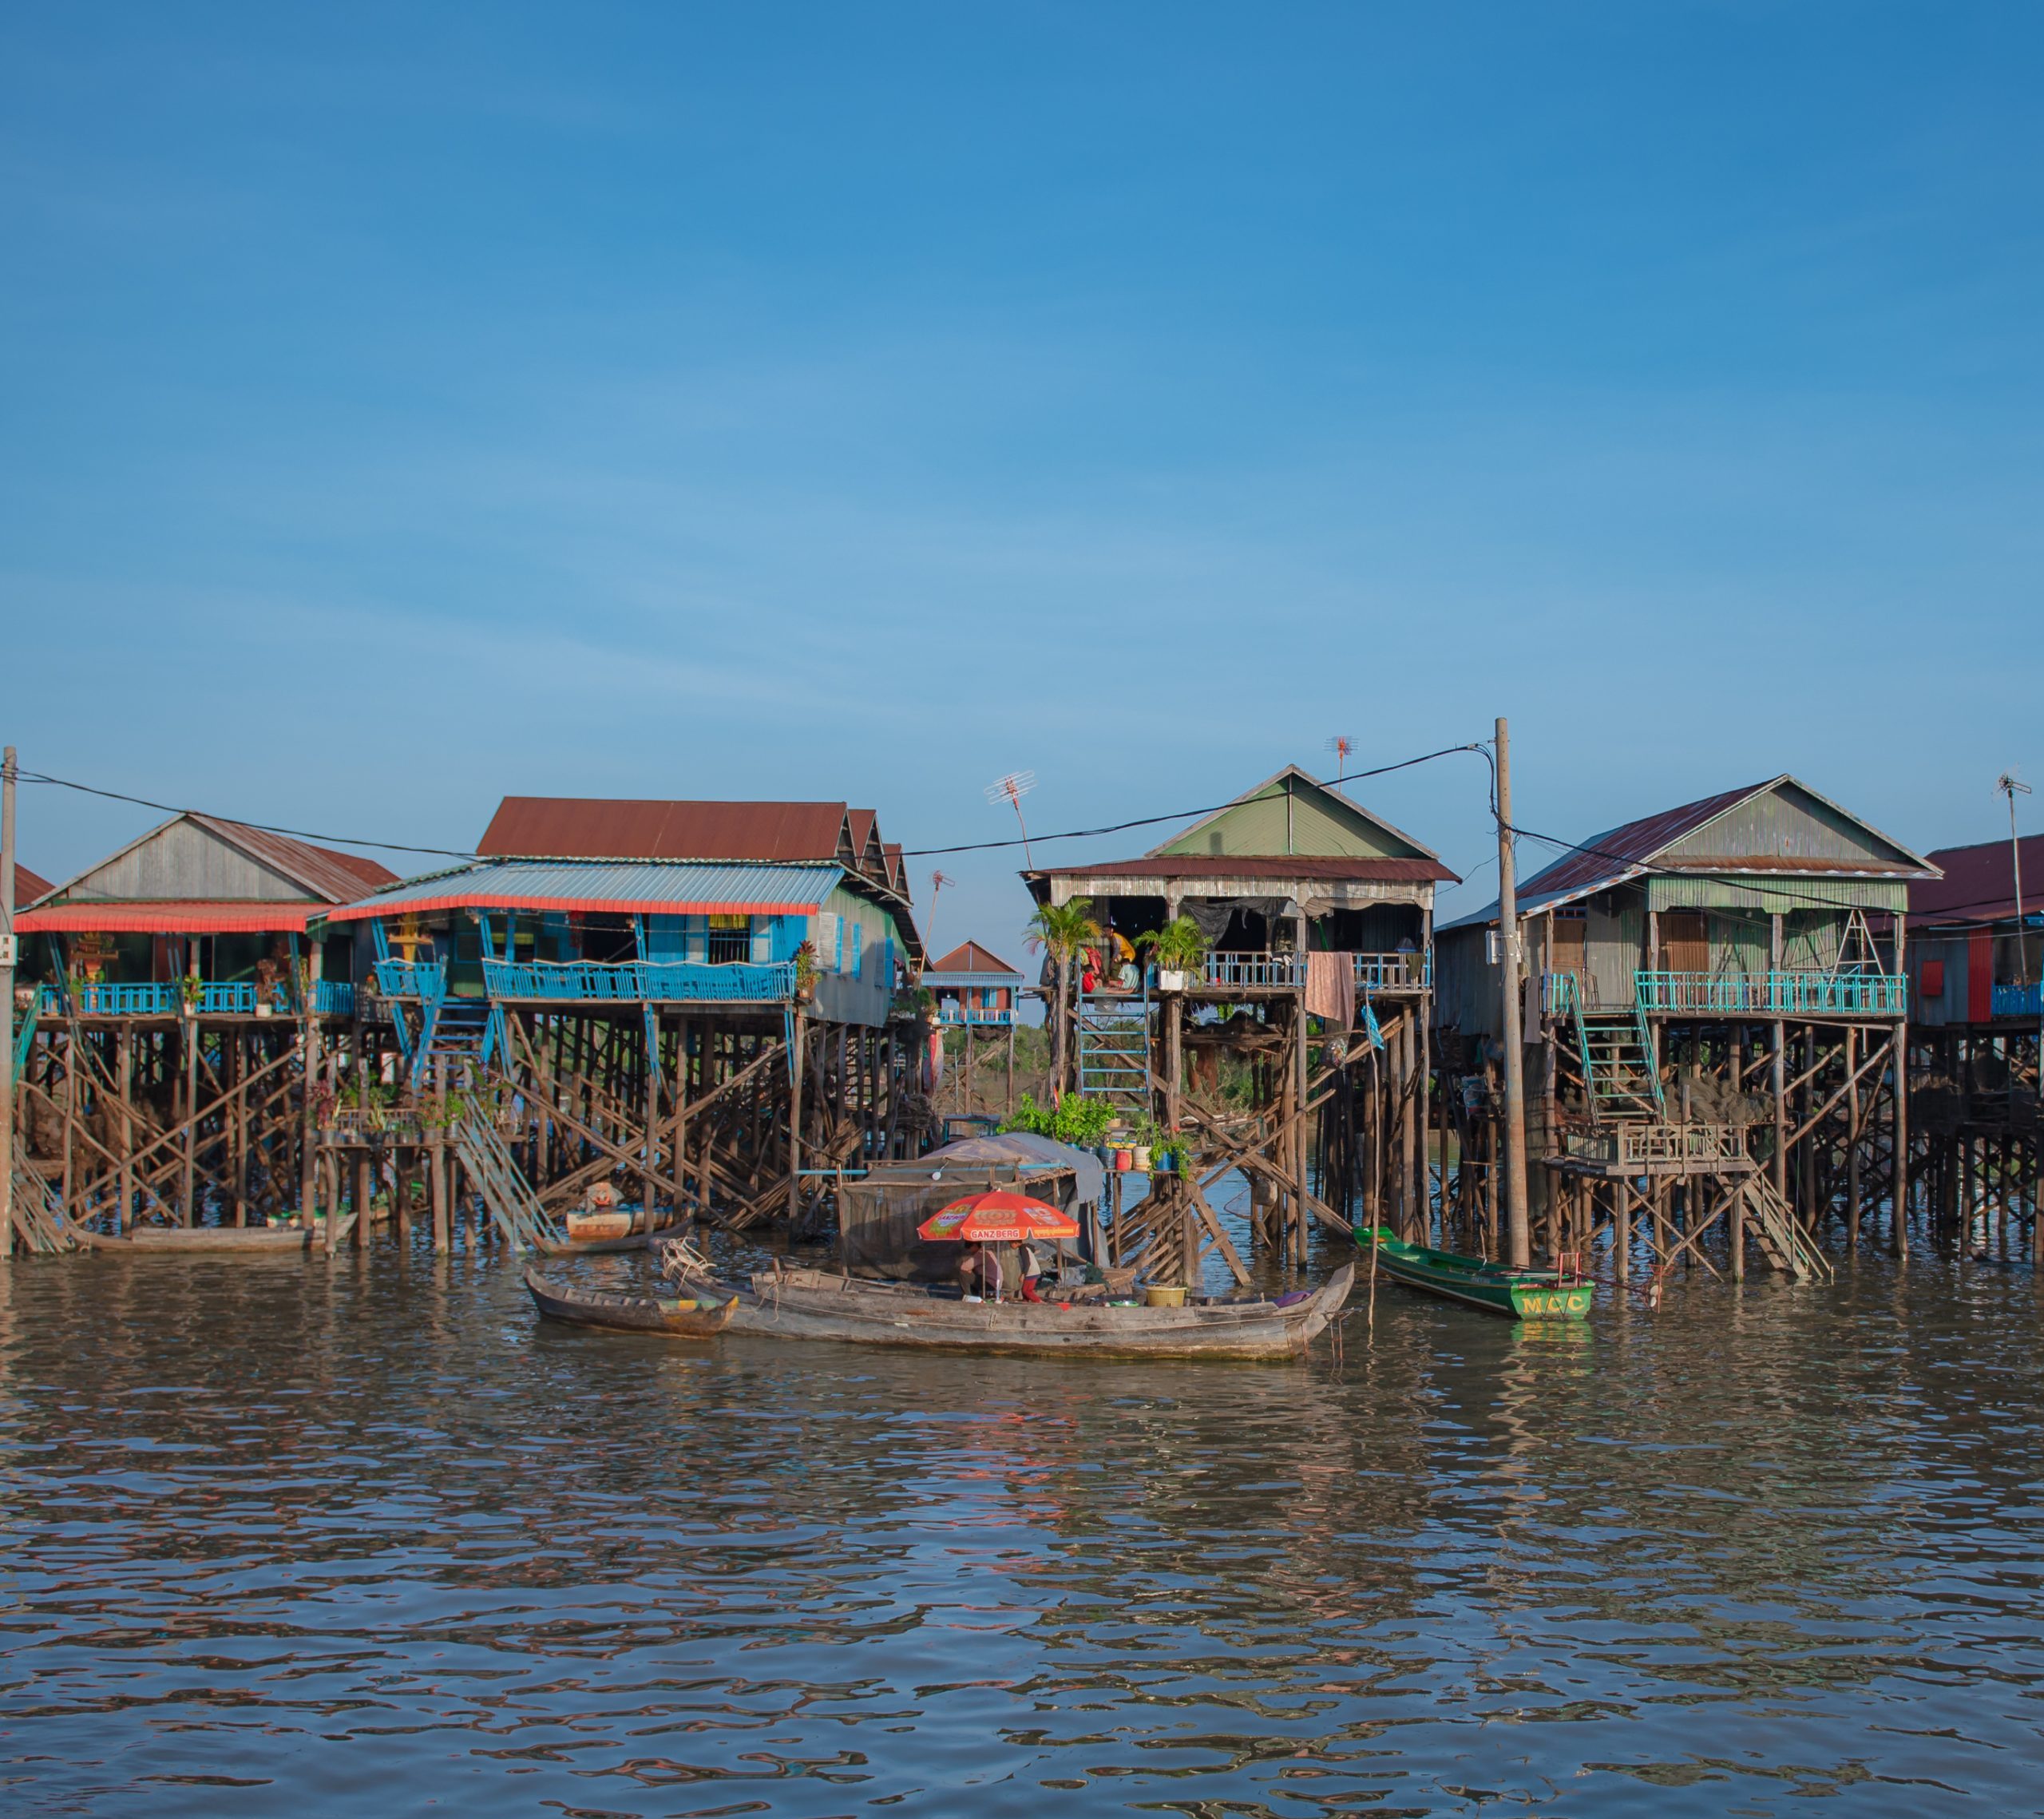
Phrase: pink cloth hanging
(1331, 987)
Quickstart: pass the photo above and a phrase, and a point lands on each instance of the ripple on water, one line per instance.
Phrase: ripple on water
(380, 1542)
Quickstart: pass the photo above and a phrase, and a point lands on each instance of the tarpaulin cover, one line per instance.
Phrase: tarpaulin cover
(877, 1217)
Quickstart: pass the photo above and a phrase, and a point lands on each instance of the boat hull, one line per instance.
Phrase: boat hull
(810, 1306)
(686, 1317)
(1515, 1294)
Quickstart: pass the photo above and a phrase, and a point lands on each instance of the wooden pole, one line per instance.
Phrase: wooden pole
(1519, 1237)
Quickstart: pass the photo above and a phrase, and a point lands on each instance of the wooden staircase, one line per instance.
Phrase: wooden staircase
(1781, 1238)
(39, 1216)
(525, 1223)
(1620, 1072)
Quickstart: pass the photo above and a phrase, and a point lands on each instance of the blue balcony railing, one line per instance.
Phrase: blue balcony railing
(102, 999)
(639, 981)
(333, 998)
(422, 979)
(1409, 972)
(1774, 994)
(2019, 1000)
(976, 1015)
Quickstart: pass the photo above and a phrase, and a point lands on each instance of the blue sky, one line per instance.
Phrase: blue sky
(409, 405)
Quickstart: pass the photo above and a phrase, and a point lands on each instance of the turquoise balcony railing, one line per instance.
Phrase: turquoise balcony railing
(2019, 1000)
(975, 1016)
(639, 981)
(422, 979)
(1773, 994)
(333, 998)
(106, 999)
(1559, 994)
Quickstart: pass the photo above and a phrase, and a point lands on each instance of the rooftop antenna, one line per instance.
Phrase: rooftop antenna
(1341, 745)
(2011, 785)
(1011, 790)
(939, 882)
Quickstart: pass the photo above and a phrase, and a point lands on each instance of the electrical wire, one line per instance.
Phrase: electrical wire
(261, 827)
(1178, 815)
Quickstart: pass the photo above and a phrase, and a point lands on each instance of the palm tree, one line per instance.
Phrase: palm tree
(1061, 929)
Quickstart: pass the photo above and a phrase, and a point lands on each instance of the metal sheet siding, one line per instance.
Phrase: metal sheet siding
(1825, 892)
(674, 888)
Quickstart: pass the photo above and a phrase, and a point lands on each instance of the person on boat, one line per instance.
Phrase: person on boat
(1030, 1267)
(979, 1273)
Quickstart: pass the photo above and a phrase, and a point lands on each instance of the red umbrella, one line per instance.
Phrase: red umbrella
(998, 1216)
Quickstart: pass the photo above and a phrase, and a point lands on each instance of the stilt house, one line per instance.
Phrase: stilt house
(699, 996)
(1316, 919)
(182, 978)
(1705, 988)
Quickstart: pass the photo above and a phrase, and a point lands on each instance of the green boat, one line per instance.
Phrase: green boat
(1518, 1294)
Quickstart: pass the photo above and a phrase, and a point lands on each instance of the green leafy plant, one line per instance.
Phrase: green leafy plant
(1061, 930)
(1079, 1121)
(191, 988)
(805, 969)
(1177, 947)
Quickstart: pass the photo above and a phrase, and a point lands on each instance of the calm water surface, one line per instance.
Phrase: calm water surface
(371, 1539)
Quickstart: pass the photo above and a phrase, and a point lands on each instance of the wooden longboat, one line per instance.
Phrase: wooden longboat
(809, 1304)
(209, 1240)
(689, 1316)
(1497, 1288)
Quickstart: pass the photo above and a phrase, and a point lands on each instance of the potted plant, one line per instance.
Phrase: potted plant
(806, 973)
(191, 991)
(1179, 952)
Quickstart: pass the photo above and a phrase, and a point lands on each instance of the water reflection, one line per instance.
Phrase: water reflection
(372, 1539)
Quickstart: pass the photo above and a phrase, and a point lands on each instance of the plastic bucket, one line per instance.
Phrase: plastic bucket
(1155, 1296)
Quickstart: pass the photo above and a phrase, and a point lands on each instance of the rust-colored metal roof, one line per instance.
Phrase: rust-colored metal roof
(1980, 883)
(1245, 865)
(1612, 855)
(969, 957)
(572, 827)
(336, 876)
(29, 885)
(898, 873)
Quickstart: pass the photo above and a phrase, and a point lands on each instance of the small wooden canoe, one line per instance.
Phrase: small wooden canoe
(687, 1316)
(1497, 1288)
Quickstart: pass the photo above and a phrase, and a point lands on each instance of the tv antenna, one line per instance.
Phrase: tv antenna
(2011, 785)
(939, 883)
(1011, 790)
(1341, 745)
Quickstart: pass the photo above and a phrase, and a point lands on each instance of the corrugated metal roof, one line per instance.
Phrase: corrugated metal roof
(619, 886)
(205, 917)
(1979, 883)
(334, 876)
(1614, 855)
(969, 957)
(571, 827)
(29, 885)
(1624, 853)
(1248, 865)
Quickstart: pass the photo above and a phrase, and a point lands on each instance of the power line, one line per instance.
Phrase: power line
(261, 827)
(1176, 814)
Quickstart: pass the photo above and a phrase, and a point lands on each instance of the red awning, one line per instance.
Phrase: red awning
(165, 918)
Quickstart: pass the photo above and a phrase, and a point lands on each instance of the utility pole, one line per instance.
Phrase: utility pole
(8, 767)
(1517, 1229)
(2010, 787)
